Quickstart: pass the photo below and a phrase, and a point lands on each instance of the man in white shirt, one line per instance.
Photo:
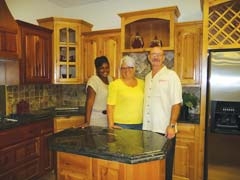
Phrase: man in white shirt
(162, 102)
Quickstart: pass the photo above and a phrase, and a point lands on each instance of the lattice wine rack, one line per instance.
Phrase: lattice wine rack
(224, 25)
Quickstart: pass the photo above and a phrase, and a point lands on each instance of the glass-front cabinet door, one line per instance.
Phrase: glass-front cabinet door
(68, 57)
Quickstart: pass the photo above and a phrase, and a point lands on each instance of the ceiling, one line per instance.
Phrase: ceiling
(72, 3)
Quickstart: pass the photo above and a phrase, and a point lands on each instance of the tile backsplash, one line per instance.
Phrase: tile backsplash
(44, 96)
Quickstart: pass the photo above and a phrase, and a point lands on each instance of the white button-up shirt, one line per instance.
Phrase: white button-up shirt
(161, 92)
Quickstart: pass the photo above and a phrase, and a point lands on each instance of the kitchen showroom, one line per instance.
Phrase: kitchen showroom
(69, 91)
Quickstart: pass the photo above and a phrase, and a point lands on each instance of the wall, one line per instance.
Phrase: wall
(104, 14)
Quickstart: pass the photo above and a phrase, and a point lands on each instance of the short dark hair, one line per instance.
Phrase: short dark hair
(100, 60)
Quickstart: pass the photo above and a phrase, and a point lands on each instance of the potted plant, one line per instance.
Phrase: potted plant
(190, 101)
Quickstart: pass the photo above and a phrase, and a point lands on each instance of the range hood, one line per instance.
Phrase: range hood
(8, 34)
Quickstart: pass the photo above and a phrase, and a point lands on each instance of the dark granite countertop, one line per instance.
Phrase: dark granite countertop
(23, 119)
(122, 145)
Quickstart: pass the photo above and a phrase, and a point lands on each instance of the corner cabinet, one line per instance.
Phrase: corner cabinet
(146, 26)
(186, 152)
(101, 43)
(35, 56)
(67, 62)
(188, 49)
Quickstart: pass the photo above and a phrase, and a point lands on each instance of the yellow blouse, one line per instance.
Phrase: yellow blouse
(127, 101)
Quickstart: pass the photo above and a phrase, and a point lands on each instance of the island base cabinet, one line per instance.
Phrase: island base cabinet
(73, 167)
(78, 167)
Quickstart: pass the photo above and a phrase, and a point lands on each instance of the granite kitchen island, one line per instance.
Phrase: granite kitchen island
(96, 153)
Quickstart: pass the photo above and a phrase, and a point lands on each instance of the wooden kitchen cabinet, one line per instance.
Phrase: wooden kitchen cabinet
(24, 153)
(62, 122)
(35, 57)
(186, 152)
(8, 34)
(67, 58)
(78, 167)
(101, 43)
(188, 49)
(148, 24)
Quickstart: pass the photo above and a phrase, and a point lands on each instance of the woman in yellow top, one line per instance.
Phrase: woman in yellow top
(125, 98)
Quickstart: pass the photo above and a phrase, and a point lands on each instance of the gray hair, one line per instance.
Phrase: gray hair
(129, 61)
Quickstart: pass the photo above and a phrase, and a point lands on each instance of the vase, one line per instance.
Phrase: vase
(138, 41)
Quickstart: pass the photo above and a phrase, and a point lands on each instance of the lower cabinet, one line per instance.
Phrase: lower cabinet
(77, 167)
(24, 152)
(186, 153)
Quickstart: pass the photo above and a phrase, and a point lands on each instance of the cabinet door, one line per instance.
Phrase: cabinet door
(112, 49)
(67, 54)
(188, 52)
(101, 43)
(91, 49)
(186, 156)
(8, 45)
(36, 56)
(73, 167)
(107, 170)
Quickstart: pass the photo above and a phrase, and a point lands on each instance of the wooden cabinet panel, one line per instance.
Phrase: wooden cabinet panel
(26, 171)
(36, 57)
(19, 153)
(24, 152)
(67, 58)
(188, 48)
(101, 43)
(107, 170)
(61, 123)
(74, 167)
(186, 153)
(8, 34)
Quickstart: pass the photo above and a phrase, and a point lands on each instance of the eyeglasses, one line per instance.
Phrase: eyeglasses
(126, 68)
(156, 54)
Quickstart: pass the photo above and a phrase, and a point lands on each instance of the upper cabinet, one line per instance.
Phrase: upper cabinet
(101, 43)
(141, 29)
(67, 61)
(188, 48)
(8, 34)
(223, 24)
(35, 56)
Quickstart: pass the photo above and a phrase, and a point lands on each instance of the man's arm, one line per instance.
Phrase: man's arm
(171, 129)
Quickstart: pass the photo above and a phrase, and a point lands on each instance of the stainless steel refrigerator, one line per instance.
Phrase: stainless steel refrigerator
(222, 143)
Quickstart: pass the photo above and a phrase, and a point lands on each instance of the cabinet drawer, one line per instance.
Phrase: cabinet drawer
(61, 123)
(26, 171)
(15, 135)
(15, 155)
